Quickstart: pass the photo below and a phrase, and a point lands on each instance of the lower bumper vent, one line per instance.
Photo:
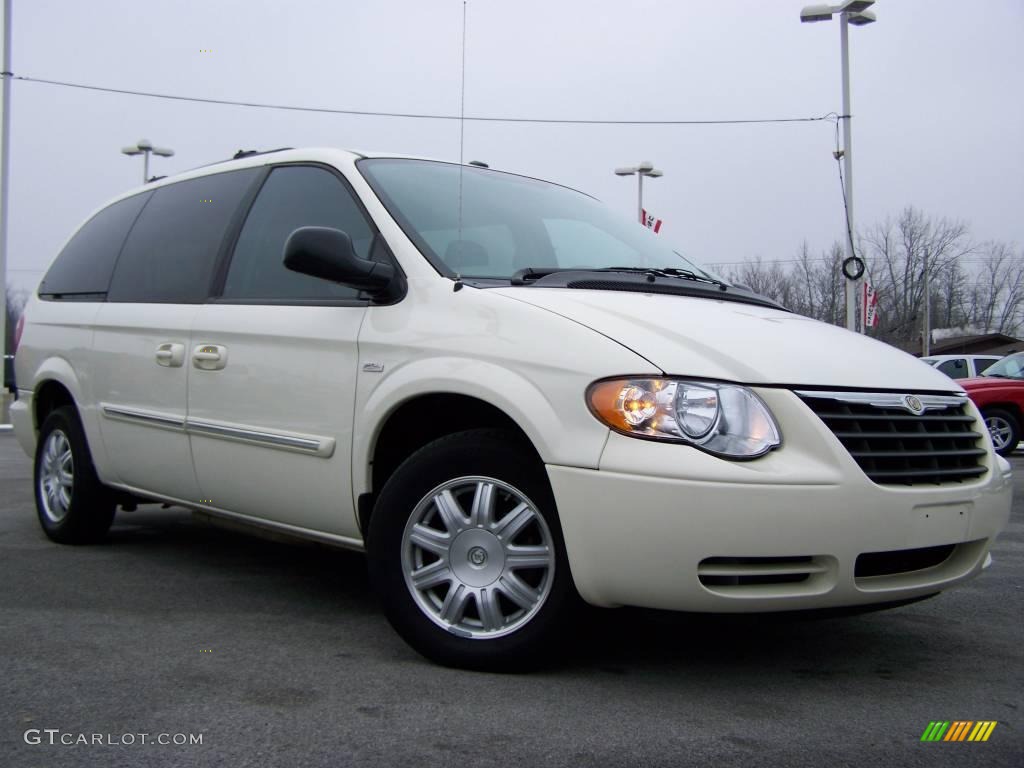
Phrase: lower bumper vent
(901, 561)
(719, 572)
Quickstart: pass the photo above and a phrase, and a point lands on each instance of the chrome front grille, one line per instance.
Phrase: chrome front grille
(900, 439)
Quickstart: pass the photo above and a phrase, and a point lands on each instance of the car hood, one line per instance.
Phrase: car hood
(727, 340)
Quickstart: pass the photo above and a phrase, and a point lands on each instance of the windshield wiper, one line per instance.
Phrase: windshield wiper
(530, 274)
(684, 274)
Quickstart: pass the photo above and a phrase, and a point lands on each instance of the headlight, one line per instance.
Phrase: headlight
(724, 419)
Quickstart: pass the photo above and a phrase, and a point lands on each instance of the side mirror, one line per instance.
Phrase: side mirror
(328, 254)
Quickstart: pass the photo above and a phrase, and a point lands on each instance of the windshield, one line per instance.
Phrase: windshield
(1011, 367)
(509, 223)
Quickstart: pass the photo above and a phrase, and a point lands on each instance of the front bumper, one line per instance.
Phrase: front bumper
(666, 526)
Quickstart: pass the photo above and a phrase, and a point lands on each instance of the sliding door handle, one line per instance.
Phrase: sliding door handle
(210, 357)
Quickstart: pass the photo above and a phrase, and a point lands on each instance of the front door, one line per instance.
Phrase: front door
(272, 384)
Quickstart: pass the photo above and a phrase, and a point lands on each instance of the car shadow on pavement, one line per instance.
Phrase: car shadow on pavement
(308, 580)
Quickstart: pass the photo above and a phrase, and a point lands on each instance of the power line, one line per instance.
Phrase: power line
(412, 115)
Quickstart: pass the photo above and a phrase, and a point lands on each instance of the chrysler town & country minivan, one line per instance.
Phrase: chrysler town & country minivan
(509, 397)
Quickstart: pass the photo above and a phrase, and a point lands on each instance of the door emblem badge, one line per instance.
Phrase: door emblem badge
(373, 367)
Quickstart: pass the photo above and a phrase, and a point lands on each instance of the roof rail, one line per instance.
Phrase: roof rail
(250, 152)
(241, 154)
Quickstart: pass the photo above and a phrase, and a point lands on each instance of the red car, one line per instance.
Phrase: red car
(999, 395)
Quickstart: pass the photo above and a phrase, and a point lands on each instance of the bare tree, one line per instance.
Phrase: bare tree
(988, 299)
(997, 297)
(897, 252)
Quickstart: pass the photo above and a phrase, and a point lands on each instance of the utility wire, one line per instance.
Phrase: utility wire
(411, 115)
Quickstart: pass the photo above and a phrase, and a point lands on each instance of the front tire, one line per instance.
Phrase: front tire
(74, 507)
(1004, 429)
(466, 552)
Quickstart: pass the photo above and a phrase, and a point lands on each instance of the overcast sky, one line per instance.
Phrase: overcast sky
(937, 104)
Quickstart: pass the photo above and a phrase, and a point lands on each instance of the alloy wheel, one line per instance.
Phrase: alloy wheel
(1000, 430)
(56, 476)
(478, 558)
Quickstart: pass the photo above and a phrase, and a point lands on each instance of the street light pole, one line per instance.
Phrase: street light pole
(144, 148)
(851, 285)
(640, 197)
(645, 168)
(851, 12)
(5, 161)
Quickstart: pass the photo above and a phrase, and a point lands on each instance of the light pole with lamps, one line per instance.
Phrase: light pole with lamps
(853, 12)
(645, 168)
(145, 147)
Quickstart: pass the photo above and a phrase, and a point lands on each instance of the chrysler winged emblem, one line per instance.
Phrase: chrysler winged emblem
(913, 404)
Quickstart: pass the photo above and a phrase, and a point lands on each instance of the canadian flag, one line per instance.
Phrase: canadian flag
(869, 306)
(648, 220)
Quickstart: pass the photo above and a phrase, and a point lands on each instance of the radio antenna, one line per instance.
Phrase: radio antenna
(462, 113)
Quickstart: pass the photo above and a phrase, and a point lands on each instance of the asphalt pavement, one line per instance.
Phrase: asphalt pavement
(276, 654)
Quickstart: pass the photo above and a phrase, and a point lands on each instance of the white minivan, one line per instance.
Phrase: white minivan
(510, 397)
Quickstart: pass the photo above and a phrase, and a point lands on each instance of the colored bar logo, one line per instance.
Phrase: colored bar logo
(958, 730)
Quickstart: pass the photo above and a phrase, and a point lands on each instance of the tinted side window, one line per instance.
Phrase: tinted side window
(955, 369)
(87, 261)
(981, 363)
(172, 249)
(293, 197)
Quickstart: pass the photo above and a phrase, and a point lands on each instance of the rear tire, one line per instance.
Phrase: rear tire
(1004, 429)
(74, 507)
(466, 552)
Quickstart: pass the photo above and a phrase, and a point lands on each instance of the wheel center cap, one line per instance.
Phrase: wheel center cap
(477, 557)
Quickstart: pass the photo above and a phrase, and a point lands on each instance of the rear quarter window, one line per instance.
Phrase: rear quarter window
(171, 252)
(85, 265)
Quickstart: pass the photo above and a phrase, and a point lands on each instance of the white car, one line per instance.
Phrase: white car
(961, 366)
(508, 396)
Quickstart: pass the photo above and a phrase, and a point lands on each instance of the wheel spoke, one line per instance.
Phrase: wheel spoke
(482, 511)
(527, 557)
(450, 511)
(489, 609)
(518, 591)
(455, 603)
(430, 539)
(433, 575)
(511, 524)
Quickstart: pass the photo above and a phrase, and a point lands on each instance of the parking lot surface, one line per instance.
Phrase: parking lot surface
(276, 654)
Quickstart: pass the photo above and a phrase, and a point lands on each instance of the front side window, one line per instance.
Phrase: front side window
(293, 197)
(482, 223)
(172, 250)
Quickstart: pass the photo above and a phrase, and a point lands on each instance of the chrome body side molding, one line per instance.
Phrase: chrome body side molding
(310, 445)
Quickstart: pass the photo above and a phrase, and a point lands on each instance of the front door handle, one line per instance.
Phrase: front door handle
(210, 357)
(170, 355)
